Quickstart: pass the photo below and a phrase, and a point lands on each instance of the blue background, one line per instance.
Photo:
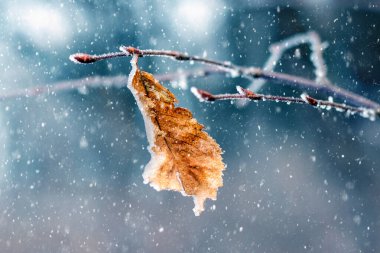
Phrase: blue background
(297, 179)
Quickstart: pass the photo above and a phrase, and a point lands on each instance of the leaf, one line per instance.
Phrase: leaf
(184, 158)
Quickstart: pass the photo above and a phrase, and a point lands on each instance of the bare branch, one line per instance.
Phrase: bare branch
(245, 94)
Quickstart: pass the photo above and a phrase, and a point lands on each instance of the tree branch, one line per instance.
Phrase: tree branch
(247, 72)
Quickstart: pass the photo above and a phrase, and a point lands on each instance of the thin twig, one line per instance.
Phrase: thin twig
(245, 94)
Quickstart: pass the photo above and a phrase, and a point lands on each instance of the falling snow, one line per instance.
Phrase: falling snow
(298, 179)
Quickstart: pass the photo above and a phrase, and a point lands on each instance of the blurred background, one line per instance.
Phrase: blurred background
(297, 179)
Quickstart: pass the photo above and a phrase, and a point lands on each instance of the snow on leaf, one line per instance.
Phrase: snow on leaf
(184, 158)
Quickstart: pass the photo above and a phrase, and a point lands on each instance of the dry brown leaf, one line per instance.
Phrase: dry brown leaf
(184, 158)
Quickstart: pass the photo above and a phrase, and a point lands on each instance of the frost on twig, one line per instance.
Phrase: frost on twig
(248, 95)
